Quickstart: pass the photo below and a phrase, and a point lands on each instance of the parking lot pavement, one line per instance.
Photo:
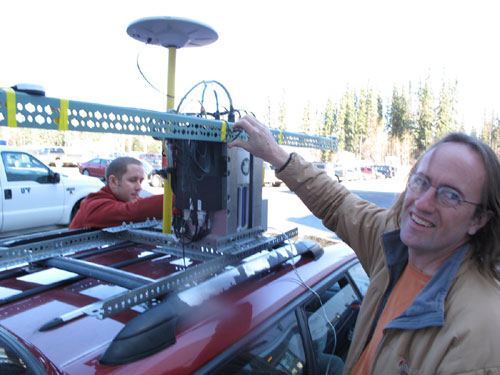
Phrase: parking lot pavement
(388, 185)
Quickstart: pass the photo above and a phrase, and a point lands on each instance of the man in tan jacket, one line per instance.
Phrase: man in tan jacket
(433, 304)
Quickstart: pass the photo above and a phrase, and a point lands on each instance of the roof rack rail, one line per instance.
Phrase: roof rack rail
(54, 252)
(154, 329)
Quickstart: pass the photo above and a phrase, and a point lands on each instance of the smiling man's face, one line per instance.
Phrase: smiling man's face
(426, 225)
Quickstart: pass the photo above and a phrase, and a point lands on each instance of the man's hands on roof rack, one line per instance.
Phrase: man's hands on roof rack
(261, 142)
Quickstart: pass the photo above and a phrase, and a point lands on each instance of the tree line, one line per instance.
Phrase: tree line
(402, 129)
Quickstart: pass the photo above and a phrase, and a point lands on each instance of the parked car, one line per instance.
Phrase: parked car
(386, 170)
(328, 168)
(368, 173)
(34, 196)
(51, 156)
(152, 158)
(95, 167)
(296, 317)
(270, 176)
(58, 157)
(338, 171)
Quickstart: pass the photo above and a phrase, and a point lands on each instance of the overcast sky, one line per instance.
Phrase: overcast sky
(311, 50)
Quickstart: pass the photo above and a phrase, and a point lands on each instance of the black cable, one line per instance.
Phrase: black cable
(142, 74)
(203, 98)
(217, 114)
(231, 115)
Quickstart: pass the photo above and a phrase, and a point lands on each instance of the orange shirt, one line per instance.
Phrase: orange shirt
(411, 282)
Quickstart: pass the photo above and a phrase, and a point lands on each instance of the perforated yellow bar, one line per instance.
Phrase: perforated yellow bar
(63, 119)
(11, 107)
(223, 132)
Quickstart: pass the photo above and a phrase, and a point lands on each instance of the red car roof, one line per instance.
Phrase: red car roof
(76, 346)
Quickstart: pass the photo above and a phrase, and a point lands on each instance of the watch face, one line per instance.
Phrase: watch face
(245, 166)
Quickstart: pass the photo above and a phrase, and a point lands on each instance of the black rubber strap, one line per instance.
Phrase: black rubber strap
(279, 170)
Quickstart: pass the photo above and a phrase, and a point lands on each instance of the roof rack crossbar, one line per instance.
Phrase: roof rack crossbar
(41, 249)
(43, 288)
(197, 250)
(182, 280)
(78, 312)
(115, 276)
(19, 271)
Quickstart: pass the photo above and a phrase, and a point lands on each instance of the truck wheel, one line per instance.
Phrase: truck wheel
(75, 209)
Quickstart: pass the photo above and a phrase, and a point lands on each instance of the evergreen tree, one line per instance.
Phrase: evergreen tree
(268, 114)
(398, 123)
(380, 110)
(425, 118)
(327, 128)
(373, 145)
(339, 126)
(490, 133)
(305, 126)
(361, 123)
(496, 134)
(346, 122)
(445, 121)
(282, 113)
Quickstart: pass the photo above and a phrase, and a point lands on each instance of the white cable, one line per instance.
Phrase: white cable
(303, 283)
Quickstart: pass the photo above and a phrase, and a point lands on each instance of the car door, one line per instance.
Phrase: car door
(29, 198)
(104, 165)
(310, 336)
(331, 317)
(93, 167)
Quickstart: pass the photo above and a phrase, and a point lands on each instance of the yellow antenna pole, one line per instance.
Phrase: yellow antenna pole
(167, 189)
(172, 33)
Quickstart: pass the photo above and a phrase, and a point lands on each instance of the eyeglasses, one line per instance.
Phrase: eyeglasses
(446, 196)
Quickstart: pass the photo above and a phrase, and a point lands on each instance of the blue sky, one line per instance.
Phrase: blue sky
(310, 50)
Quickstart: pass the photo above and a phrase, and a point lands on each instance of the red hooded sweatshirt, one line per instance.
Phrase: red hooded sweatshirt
(102, 210)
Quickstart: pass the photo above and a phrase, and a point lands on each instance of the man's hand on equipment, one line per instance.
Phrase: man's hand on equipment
(261, 142)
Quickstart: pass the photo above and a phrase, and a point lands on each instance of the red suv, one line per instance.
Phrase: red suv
(100, 302)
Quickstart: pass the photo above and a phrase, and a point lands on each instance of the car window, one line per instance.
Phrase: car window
(331, 319)
(278, 351)
(23, 167)
(360, 278)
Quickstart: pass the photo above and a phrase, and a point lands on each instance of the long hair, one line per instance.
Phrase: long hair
(485, 243)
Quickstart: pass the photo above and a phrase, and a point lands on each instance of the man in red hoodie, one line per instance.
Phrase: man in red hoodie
(119, 200)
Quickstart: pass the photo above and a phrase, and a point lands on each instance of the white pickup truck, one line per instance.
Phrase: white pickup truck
(34, 196)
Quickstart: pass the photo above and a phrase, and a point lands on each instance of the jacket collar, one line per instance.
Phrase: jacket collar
(427, 309)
